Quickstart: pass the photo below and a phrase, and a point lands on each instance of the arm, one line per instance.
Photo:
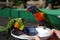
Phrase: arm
(54, 35)
(57, 32)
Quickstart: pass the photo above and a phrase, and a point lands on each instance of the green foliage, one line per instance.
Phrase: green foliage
(2, 28)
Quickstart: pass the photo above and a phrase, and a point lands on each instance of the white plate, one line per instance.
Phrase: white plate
(43, 32)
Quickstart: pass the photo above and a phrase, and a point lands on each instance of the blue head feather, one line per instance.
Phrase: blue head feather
(32, 9)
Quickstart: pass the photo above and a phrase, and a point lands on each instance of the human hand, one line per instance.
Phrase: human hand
(52, 31)
(57, 32)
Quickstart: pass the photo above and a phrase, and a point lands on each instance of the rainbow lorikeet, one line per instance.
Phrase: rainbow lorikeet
(39, 15)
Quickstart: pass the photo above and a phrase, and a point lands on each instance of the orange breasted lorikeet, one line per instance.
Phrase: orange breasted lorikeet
(39, 15)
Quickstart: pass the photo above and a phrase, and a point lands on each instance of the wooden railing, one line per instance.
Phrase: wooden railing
(6, 3)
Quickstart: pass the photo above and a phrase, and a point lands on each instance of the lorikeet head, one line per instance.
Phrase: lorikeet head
(31, 9)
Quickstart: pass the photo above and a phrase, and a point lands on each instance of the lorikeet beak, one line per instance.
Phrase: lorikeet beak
(27, 10)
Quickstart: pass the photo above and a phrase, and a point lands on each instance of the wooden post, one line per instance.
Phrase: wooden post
(7, 2)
